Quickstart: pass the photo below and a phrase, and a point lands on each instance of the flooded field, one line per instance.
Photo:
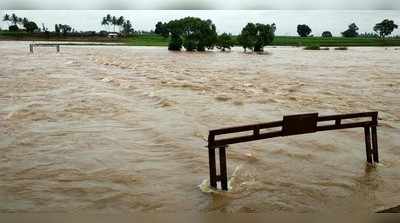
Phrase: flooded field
(121, 129)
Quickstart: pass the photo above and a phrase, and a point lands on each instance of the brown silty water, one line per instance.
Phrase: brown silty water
(124, 129)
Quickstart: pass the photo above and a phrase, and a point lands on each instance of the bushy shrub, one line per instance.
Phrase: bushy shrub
(351, 32)
(303, 30)
(327, 34)
(13, 28)
(31, 26)
(103, 33)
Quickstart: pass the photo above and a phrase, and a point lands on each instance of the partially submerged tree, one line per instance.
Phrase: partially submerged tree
(327, 34)
(351, 31)
(256, 36)
(303, 30)
(175, 44)
(385, 28)
(225, 41)
(190, 32)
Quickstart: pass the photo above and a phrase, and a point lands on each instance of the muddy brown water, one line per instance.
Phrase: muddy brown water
(110, 129)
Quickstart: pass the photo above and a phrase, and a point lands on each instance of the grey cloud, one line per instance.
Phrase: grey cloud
(202, 4)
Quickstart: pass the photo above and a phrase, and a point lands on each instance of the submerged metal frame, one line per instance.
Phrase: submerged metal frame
(44, 45)
(291, 125)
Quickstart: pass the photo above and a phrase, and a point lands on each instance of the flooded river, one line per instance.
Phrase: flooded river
(121, 129)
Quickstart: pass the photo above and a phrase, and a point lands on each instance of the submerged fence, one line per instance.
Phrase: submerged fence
(290, 125)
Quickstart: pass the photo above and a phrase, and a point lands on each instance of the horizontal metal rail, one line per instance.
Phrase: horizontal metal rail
(290, 125)
(31, 46)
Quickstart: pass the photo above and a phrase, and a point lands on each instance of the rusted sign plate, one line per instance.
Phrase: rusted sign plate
(299, 124)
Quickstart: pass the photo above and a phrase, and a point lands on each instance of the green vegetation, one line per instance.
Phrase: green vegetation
(192, 33)
(256, 36)
(312, 47)
(225, 41)
(62, 28)
(327, 34)
(351, 32)
(334, 41)
(385, 28)
(125, 26)
(15, 21)
(146, 40)
(156, 40)
(198, 35)
(303, 30)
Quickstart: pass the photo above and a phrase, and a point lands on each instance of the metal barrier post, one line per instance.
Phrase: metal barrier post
(368, 144)
(223, 172)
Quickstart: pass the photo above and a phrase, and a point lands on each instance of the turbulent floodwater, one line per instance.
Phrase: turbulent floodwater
(124, 129)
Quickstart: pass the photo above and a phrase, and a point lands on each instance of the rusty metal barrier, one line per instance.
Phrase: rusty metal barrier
(290, 125)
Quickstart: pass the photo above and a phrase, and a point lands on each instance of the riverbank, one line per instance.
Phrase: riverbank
(156, 40)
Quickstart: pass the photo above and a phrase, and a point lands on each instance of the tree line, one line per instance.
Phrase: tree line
(125, 26)
(29, 26)
(15, 22)
(383, 29)
(195, 34)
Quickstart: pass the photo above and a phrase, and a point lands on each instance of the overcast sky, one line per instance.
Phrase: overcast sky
(203, 4)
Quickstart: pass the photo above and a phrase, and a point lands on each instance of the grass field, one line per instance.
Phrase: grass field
(334, 41)
(156, 40)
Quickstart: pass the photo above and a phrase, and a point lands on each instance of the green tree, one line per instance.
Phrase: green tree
(385, 28)
(247, 38)
(14, 19)
(13, 28)
(24, 20)
(127, 27)
(351, 31)
(303, 30)
(175, 44)
(193, 33)
(64, 29)
(225, 42)
(7, 18)
(120, 22)
(57, 29)
(104, 22)
(30, 26)
(327, 34)
(162, 29)
(114, 21)
(256, 36)
(109, 20)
